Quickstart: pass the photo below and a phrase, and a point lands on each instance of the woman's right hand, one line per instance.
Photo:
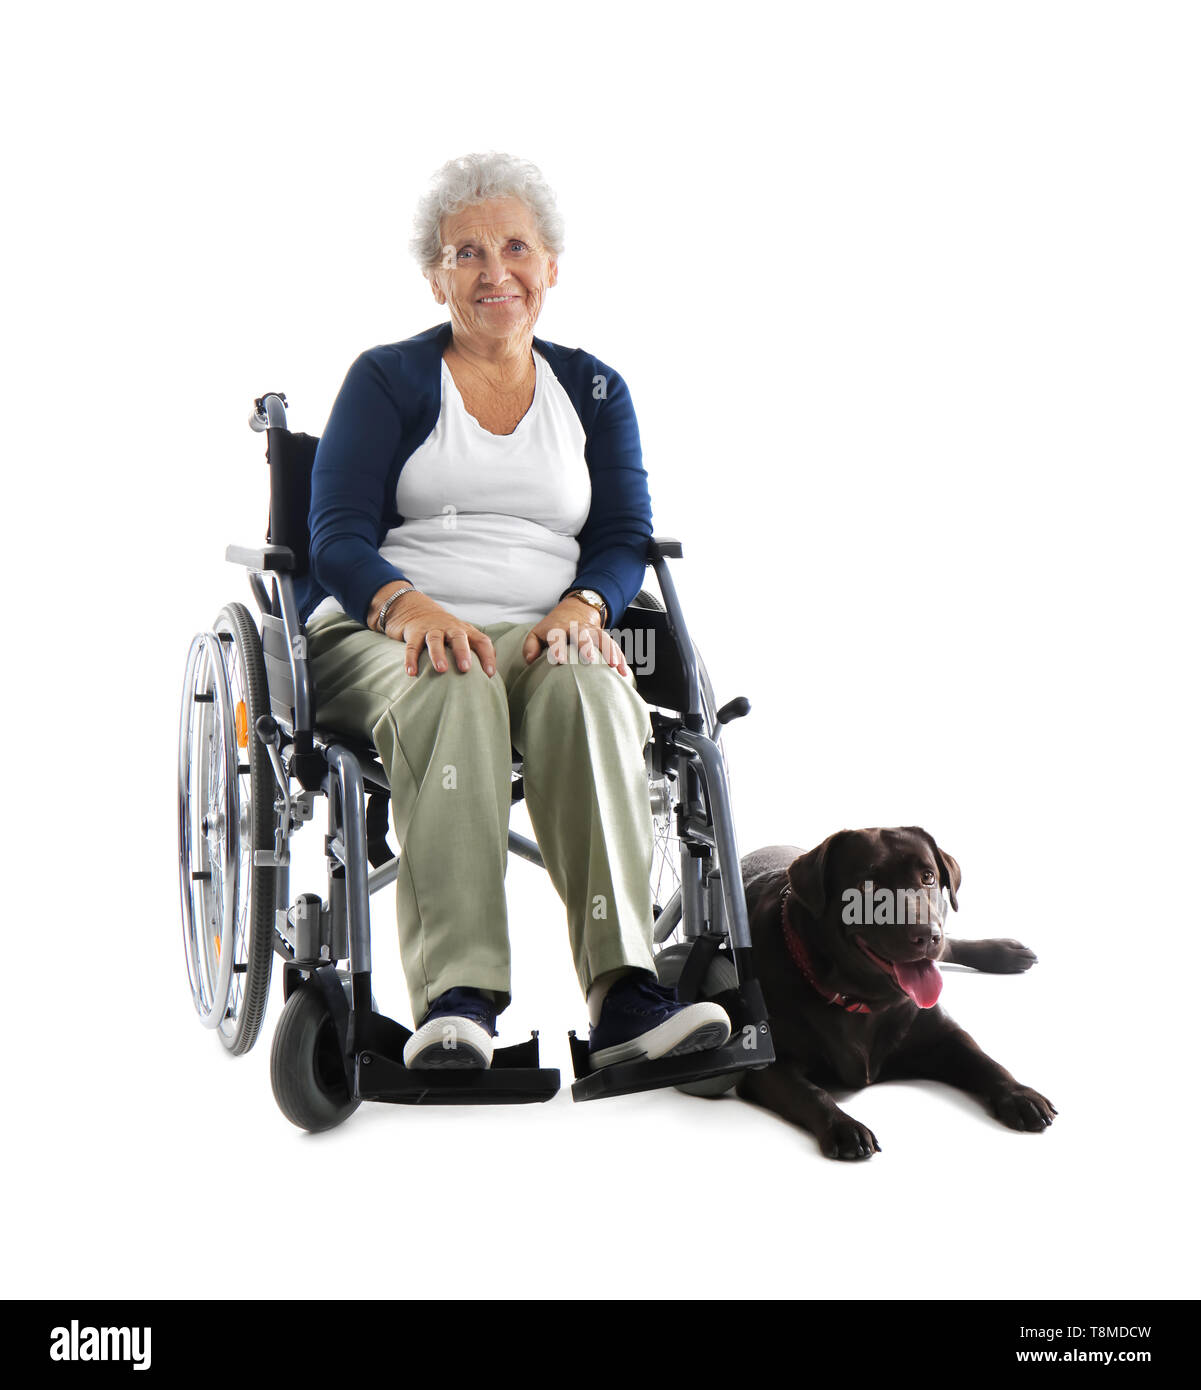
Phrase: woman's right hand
(421, 623)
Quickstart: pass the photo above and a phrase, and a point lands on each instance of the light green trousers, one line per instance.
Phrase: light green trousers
(445, 740)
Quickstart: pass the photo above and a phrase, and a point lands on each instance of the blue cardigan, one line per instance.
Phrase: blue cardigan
(389, 404)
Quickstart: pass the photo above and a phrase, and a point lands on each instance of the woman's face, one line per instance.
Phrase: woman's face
(494, 271)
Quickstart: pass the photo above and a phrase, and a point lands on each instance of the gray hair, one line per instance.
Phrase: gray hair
(473, 178)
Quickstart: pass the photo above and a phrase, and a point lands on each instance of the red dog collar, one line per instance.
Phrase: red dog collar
(796, 949)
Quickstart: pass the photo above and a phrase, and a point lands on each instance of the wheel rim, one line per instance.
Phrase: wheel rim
(209, 814)
(243, 836)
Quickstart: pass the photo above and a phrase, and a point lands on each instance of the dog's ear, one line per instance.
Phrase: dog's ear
(949, 875)
(807, 874)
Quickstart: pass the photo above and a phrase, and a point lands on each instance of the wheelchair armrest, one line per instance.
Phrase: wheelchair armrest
(664, 548)
(265, 557)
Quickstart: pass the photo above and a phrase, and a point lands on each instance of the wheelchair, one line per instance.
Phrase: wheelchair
(252, 764)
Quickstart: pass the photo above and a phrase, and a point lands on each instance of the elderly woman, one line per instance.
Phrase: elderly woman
(478, 496)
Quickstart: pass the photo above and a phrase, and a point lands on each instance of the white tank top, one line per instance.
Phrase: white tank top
(490, 520)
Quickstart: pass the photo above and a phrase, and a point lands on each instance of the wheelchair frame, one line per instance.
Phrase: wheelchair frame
(688, 784)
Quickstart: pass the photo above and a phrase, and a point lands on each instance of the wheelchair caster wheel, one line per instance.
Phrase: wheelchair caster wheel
(306, 1069)
(721, 975)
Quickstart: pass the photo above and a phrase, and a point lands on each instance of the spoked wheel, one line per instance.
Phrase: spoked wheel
(226, 812)
(666, 844)
(306, 1067)
(668, 848)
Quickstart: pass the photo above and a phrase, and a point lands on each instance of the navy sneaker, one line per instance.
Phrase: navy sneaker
(456, 1032)
(642, 1018)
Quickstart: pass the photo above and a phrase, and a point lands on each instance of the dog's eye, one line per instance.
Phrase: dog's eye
(928, 877)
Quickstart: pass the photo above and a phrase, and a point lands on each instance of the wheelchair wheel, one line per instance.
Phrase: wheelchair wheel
(667, 847)
(721, 975)
(306, 1069)
(226, 813)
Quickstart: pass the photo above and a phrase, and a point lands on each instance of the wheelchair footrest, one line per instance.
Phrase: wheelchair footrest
(515, 1078)
(752, 1048)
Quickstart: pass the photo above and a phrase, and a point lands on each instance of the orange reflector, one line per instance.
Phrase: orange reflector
(240, 722)
(217, 939)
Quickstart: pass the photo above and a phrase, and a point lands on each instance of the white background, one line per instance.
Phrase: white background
(907, 298)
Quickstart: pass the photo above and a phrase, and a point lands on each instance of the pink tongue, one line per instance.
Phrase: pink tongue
(920, 980)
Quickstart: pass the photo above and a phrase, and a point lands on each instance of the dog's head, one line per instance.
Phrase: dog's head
(877, 899)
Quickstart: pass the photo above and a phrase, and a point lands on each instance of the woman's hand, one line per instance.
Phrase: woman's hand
(573, 617)
(420, 623)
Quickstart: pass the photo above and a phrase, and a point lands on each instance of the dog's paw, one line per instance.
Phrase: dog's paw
(1023, 1108)
(847, 1138)
(998, 955)
(1008, 957)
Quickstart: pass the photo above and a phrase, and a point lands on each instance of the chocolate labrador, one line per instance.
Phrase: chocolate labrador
(845, 941)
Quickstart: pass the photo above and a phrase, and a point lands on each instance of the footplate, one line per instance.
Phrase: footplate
(750, 1047)
(514, 1078)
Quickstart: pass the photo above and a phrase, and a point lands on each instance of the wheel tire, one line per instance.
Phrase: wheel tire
(255, 948)
(306, 1070)
(721, 975)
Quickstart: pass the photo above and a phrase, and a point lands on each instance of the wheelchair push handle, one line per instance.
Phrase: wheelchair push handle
(268, 412)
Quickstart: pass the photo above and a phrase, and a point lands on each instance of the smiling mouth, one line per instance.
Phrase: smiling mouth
(496, 299)
(919, 979)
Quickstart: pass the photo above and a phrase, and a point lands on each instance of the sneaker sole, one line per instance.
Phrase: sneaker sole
(707, 1033)
(426, 1050)
(439, 1058)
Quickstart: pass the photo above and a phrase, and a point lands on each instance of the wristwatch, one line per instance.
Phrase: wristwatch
(594, 600)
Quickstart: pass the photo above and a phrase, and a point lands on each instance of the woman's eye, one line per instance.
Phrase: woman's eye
(466, 251)
(518, 246)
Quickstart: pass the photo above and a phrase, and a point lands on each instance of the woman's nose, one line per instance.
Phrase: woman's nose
(494, 268)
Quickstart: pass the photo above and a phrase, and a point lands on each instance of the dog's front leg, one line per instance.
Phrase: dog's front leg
(942, 1051)
(784, 1088)
(997, 955)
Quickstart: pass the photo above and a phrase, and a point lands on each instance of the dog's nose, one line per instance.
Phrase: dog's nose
(926, 936)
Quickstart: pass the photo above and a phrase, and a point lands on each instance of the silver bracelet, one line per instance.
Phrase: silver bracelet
(388, 602)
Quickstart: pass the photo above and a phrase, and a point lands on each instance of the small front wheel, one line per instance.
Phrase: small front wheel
(306, 1066)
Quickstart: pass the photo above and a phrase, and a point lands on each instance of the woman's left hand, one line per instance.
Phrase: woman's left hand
(573, 619)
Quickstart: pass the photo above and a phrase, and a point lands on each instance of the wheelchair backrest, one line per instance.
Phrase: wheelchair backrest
(290, 457)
